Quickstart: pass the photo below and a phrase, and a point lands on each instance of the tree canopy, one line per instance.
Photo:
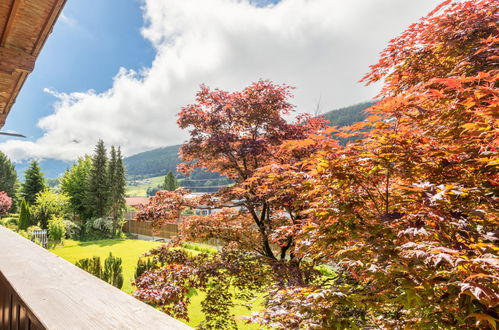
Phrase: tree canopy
(34, 182)
(395, 229)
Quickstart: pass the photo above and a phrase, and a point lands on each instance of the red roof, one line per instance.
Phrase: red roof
(136, 200)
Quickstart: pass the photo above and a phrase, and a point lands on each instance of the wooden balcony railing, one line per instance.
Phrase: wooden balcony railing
(39, 290)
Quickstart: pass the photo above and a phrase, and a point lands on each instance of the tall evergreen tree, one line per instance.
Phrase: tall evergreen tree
(117, 186)
(33, 182)
(25, 219)
(8, 177)
(171, 183)
(97, 195)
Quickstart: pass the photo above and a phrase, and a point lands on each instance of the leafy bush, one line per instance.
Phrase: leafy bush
(73, 230)
(9, 222)
(113, 271)
(105, 225)
(48, 204)
(91, 265)
(56, 230)
(5, 202)
(98, 228)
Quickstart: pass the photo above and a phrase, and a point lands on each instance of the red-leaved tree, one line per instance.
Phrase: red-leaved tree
(397, 229)
(408, 214)
(5, 202)
(238, 135)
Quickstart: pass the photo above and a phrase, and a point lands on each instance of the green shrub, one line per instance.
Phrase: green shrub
(25, 219)
(49, 204)
(113, 271)
(9, 221)
(56, 230)
(91, 265)
(33, 228)
(143, 266)
(73, 230)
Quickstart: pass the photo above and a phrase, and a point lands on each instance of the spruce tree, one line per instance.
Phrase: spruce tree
(171, 183)
(33, 182)
(8, 178)
(117, 185)
(98, 183)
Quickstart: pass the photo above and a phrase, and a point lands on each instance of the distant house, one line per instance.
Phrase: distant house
(135, 201)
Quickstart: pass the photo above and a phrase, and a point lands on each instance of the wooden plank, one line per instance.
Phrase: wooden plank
(48, 26)
(15, 60)
(10, 21)
(63, 296)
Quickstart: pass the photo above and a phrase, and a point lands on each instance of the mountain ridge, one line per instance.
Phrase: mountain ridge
(160, 161)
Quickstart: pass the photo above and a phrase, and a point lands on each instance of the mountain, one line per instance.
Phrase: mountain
(348, 115)
(152, 163)
(162, 160)
(51, 168)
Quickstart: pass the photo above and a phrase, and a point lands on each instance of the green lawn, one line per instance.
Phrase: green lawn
(130, 251)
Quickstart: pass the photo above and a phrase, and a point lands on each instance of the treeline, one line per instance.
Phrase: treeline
(96, 187)
(90, 200)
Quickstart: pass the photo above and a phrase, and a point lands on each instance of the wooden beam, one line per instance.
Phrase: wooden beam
(3, 117)
(10, 21)
(48, 26)
(15, 60)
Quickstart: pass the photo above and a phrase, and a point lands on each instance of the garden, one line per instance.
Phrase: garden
(390, 222)
(130, 250)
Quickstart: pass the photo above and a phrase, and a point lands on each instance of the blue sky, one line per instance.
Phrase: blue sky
(121, 70)
(89, 43)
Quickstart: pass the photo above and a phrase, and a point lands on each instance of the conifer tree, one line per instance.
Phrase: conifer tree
(8, 177)
(171, 183)
(117, 185)
(33, 182)
(98, 191)
(24, 216)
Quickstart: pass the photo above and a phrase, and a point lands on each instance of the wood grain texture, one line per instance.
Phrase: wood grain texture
(62, 296)
(24, 27)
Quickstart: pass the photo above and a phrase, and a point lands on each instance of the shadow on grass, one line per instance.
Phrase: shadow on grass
(103, 242)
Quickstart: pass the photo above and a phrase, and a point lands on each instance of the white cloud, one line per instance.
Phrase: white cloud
(322, 47)
(68, 20)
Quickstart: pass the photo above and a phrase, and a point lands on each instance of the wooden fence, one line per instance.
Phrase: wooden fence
(145, 228)
(167, 231)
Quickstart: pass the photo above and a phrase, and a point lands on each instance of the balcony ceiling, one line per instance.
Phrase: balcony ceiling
(24, 27)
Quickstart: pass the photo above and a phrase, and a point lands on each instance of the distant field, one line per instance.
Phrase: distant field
(140, 190)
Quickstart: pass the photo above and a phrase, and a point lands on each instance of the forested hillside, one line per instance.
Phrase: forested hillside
(160, 161)
(154, 162)
(348, 115)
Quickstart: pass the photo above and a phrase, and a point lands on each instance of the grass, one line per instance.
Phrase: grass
(130, 251)
(141, 190)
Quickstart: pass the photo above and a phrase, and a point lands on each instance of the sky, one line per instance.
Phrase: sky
(120, 70)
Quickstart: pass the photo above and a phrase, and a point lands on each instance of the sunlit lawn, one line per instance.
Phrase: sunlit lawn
(130, 251)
